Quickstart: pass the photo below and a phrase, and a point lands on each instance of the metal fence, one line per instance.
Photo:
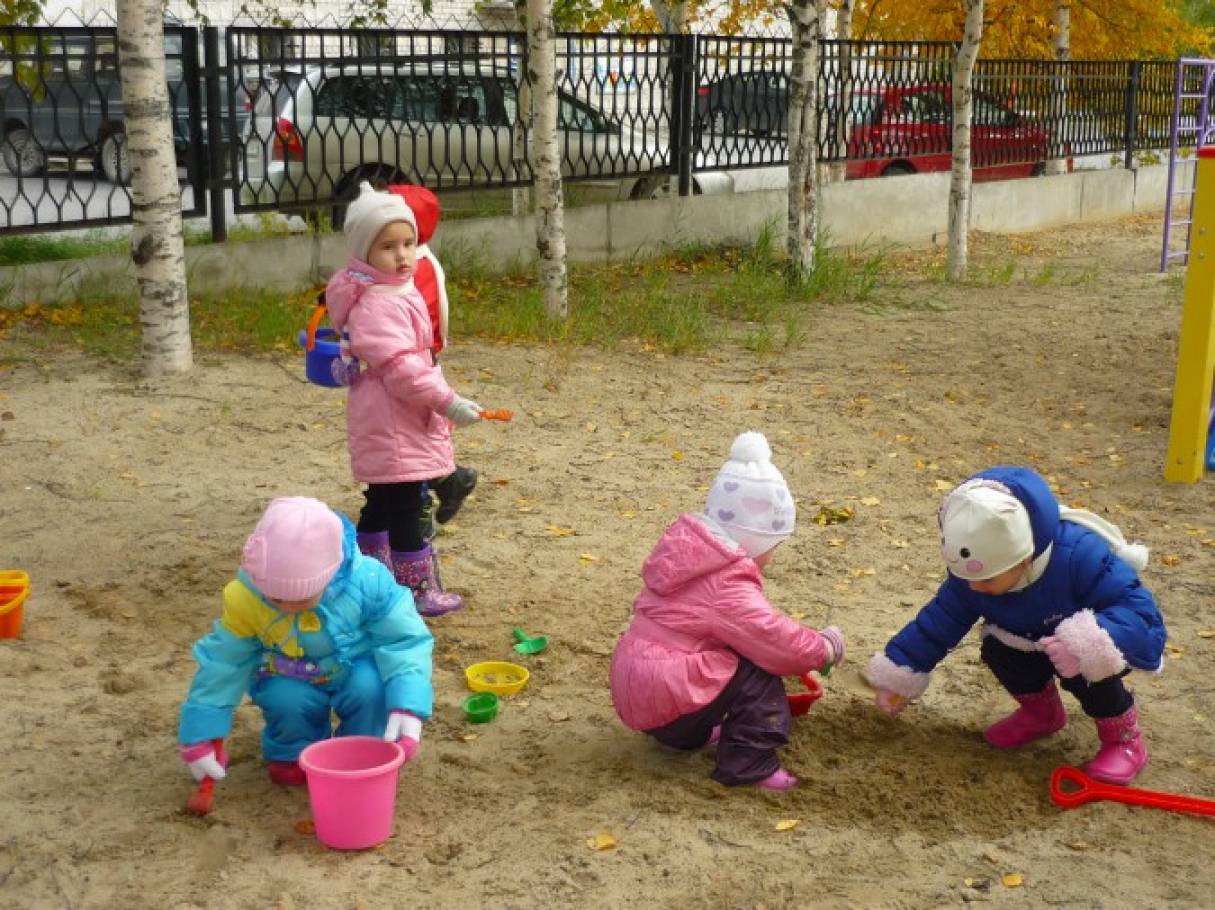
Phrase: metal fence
(291, 119)
(62, 140)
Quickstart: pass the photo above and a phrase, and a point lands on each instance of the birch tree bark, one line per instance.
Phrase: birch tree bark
(673, 17)
(843, 98)
(156, 242)
(806, 17)
(520, 197)
(546, 156)
(1061, 40)
(963, 109)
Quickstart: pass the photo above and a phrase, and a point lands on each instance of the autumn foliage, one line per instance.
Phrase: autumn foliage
(1100, 29)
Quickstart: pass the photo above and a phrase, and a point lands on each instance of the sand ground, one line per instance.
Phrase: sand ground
(127, 502)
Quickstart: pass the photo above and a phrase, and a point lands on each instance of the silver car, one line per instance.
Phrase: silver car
(441, 124)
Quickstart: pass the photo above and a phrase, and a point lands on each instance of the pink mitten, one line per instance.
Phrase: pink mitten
(891, 703)
(1066, 663)
(405, 730)
(203, 762)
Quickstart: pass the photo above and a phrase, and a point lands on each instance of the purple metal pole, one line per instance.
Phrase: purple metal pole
(1168, 198)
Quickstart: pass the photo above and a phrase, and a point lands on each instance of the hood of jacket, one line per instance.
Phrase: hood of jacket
(348, 284)
(1033, 492)
(689, 549)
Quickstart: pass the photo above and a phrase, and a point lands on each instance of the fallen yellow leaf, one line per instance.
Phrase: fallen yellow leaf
(1207, 633)
(603, 841)
(829, 516)
(871, 501)
(943, 486)
(835, 541)
(559, 531)
(787, 824)
(1171, 559)
(861, 573)
(587, 557)
(860, 472)
(1013, 880)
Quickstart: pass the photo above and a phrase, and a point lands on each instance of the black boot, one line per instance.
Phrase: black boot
(452, 490)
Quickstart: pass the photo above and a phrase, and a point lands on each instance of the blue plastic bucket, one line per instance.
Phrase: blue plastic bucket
(318, 363)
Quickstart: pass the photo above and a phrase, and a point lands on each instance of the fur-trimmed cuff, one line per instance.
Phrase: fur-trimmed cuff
(884, 673)
(1098, 655)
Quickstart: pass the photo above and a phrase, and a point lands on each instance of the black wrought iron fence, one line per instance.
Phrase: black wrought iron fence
(292, 119)
(63, 151)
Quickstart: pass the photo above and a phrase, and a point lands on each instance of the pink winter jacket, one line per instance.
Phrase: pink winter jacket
(702, 606)
(395, 425)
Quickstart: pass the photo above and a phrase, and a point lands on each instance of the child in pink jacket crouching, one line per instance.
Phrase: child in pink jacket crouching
(702, 661)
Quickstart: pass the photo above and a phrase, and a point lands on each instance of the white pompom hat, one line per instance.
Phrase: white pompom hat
(749, 498)
(369, 213)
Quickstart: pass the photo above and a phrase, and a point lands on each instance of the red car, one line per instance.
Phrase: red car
(908, 130)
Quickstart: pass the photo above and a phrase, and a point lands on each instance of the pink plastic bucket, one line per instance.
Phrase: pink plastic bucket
(352, 784)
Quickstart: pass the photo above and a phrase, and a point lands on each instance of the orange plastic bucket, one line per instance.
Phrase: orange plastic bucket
(14, 588)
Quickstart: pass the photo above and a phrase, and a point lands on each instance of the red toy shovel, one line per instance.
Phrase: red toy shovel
(1091, 790)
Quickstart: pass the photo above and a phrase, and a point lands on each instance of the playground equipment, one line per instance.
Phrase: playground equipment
(1190, 425)
(1192, 121)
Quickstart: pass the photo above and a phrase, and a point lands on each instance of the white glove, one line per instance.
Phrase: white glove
(403, 724)
(463, 412)
(207, 766)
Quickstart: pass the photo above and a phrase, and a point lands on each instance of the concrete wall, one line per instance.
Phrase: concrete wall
(905, 211)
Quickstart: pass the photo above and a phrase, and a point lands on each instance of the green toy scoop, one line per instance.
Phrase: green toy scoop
(528, 645)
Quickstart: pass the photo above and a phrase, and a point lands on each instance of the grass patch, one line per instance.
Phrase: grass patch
(684, 301)
(26, 248)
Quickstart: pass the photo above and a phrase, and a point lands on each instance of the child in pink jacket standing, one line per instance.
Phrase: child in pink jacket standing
(702, 661)
(399, 409)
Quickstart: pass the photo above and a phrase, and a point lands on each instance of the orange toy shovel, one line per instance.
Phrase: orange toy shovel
(498, 414)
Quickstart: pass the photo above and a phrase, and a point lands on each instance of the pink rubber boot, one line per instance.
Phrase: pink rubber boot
(780, 779)
(1122, 754)
(1040, 714)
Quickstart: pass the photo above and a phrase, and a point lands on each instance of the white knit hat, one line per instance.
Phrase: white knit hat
(368, 214)
(750, 499)
(984, 531)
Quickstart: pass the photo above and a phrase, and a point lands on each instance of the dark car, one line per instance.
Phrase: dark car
(64, 101)
(756, 102)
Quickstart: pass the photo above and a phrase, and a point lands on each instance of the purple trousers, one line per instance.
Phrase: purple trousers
(754, 716)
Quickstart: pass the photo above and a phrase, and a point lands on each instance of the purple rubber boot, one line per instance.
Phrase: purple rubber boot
(416, 571)
(1040, 714)
(1122, 754)
(375, 545)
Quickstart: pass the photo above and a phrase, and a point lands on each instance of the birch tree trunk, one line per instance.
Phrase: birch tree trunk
(963, 109)
(1062, 40)
(802, 229)
(546, 156)
(520, 197)
(156, 242)
(843, 98)
(672, 17)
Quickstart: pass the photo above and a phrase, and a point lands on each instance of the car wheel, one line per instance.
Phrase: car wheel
(898, 169)
(21, 153)
(378, 175)
(116, 159)
(659, 187)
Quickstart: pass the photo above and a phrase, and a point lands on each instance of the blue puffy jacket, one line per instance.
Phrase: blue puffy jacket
(1086, 595)
(363, 611)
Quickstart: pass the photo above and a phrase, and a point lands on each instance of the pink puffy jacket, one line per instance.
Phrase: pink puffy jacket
(395, 425)
(702, 606)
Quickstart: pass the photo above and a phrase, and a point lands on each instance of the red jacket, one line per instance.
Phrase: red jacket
(428, 275)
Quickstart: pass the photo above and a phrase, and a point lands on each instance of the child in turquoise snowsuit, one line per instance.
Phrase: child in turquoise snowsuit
(309, 625)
